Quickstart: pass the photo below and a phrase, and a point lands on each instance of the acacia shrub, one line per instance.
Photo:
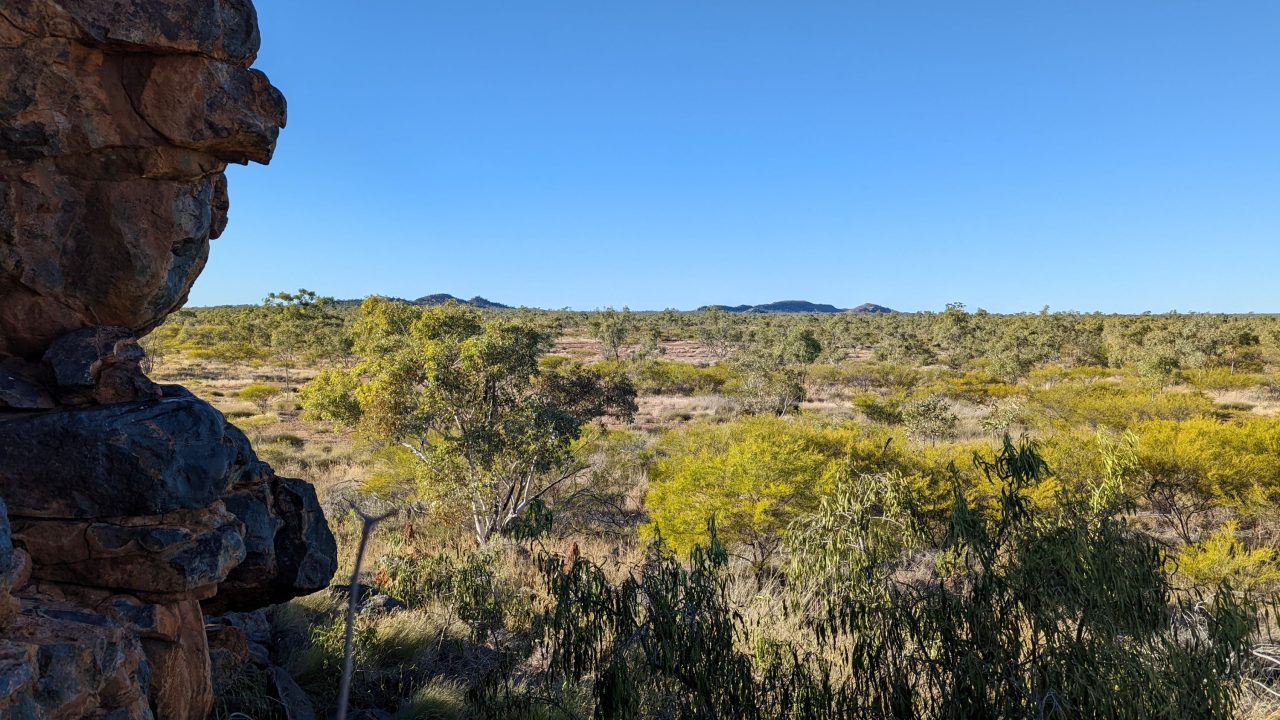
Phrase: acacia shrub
(1036, 612)
(665, 377)
(259, 394)
(1114, 404)
(755, 476)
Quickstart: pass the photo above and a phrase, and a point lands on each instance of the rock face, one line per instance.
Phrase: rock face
(132, 508)
(117, 120)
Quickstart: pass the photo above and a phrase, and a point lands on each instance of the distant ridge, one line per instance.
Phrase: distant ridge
(782, 306)
(442, 298)
(799, 306)
(437, 299)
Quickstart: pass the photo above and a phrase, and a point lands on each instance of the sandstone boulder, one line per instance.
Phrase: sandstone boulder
(101, 365)
(224, 29)
(184, 553)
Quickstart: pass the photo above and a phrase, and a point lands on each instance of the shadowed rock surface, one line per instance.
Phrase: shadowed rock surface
(131, 507)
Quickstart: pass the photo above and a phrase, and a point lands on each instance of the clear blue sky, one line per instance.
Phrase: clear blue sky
(1118, 156)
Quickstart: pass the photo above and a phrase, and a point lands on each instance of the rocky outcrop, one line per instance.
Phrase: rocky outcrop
(132, 508)
(138, 514)
(116, 122)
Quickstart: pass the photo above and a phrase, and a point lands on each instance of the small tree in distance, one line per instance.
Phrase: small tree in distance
(300, 326)
(611, 328)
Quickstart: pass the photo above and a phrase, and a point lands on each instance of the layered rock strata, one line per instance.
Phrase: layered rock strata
(132, 508)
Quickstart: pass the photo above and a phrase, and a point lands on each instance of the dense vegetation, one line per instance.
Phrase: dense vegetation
(709, 515)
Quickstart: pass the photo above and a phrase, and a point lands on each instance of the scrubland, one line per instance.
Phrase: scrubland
(707, 515)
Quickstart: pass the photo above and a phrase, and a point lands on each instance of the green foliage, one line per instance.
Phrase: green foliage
(259, 394)
(660, 377)
(248, 691)
(858, 535)
(753, 480)
(753, 477)
(719, 332)
(769, 388)
(465, 580)
(611, 328)
(288, 440)
(535, 522)
(471, 400)
(438, 699)
(975, 387)
(659, 645)
(858, 569)
(300, 326)
(867, 377)
(1036, 613)
(395, 655)
(331, 395)
(929, 418)
(1222, 558)
(879, 410)
(1003, 416)
(1220, 378)
(1191, 469)
(1112, 404)
(774, 372)
(904, 346)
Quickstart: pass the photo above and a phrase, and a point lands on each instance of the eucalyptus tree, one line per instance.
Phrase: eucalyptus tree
(488, 418)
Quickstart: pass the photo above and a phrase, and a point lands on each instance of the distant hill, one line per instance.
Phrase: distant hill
(442, 298)
(798, 306)
(436, 299)
(869, 309)
(782, 306)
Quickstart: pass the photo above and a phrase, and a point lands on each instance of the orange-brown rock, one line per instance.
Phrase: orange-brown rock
(59, 660)
(181, 687)
(131, 503)
(184, 553)
(116, 122)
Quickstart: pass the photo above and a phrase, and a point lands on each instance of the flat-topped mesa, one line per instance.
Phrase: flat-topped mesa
(131, 507)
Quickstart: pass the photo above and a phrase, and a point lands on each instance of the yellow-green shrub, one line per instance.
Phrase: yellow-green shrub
(1220, 378)
(1223, 557)
(1232, 462)
(1112, 404)
(259, 394)
(976, 387)
(662, 377)
(756, 475)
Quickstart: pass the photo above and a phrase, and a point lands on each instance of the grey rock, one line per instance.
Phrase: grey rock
(75, 357)
(297, 706)
(290, 549)
(380, 604)
(20, 388)
(136, 458)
